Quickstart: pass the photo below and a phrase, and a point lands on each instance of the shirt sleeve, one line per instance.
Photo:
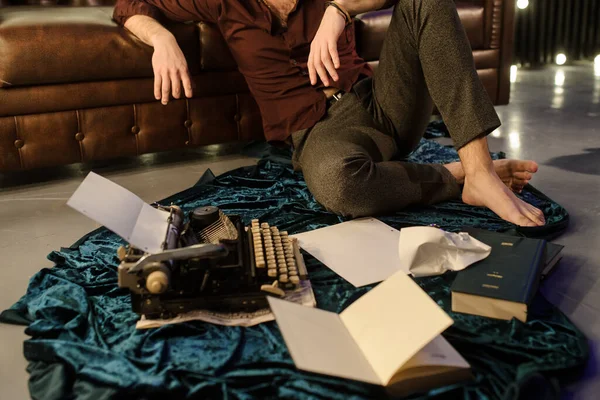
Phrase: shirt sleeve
(174, 10)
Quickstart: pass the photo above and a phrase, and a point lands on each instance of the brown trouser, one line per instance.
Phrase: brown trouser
(347, 157)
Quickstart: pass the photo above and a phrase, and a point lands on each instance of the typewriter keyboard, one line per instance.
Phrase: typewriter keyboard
(275, 252)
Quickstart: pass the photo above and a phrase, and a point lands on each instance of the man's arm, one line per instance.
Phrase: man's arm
(168, 62)
(142, 18)
(323, 60)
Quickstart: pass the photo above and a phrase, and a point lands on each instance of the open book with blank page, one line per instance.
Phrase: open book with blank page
(391, 336)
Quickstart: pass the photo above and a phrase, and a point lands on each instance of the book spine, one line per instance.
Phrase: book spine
(533, 279)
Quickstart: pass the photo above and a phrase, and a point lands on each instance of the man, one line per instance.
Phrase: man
(347, 125)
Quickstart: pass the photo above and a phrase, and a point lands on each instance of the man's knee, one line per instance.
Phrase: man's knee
(340, 184)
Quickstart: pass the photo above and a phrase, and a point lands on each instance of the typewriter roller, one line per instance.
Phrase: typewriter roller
(211, 262)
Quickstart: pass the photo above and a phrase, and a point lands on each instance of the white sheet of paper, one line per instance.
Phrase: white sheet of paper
(362, 251)
(121, 211)
(392, 322)
(319, 342)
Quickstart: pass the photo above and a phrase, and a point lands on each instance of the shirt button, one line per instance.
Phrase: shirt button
(294, 62)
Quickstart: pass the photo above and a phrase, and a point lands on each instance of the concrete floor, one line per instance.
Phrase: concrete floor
(553, 118)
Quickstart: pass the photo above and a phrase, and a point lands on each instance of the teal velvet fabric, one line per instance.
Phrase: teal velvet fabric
(84, 344)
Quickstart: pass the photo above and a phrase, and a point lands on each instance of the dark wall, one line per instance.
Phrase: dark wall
(549, 27)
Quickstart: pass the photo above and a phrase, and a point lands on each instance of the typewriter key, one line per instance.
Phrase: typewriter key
(272, 272)
(283, 278)
(295, 279)
(273, 290)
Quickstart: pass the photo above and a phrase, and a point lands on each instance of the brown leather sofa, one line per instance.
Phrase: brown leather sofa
(75, 87)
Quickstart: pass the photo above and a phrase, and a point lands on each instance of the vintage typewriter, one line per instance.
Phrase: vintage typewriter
(212, 262)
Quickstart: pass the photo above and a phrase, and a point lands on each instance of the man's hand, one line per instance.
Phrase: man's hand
(168, 62)
(170, 69)
(323, 58)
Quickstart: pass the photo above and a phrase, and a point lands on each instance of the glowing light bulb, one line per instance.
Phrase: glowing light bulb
(522, 4)
(513, 73)
(597, 59)
(561, 59)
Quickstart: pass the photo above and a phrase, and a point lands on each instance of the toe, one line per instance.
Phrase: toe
(531, 166)
(517, 185)
(523, 175)
(535, 214)
(521, 219)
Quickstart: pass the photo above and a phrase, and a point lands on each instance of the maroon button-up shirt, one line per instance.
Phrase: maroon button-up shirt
(273, 61)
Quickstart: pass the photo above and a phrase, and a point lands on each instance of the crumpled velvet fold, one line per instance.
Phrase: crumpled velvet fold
(84, 344)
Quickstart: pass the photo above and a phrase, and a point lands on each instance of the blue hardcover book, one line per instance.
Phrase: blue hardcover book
(503, 284)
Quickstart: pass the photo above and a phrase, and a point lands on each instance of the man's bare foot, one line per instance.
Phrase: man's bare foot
(488, 190)
(514, 173)
(484, 187)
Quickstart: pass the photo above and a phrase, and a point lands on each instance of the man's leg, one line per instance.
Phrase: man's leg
(346, 163)
(426, 55)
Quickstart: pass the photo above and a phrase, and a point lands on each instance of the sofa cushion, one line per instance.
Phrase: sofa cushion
(372, 27)
(75, 44)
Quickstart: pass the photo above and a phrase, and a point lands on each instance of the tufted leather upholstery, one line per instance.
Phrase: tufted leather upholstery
(75, 87)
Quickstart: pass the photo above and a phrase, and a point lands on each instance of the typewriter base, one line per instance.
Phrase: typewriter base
(153, 307)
